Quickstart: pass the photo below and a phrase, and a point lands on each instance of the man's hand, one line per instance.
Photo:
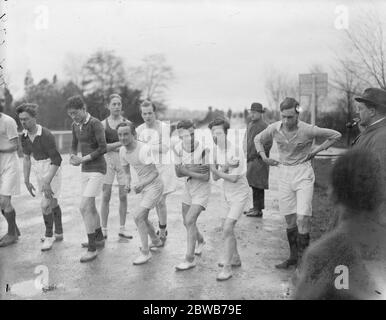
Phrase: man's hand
(271, 162)
(47, 191)
(138, 188)
(127, 188)
(75, 160)
(202, 169)
(30, 188)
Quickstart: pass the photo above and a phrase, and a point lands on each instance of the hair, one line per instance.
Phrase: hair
(148, 103)
(30, 108)
(220, 122)
(289, 103)
(355, 181)
(114, 95)
(127, 124)
(75, 102)
(185, 124)
(1, 108)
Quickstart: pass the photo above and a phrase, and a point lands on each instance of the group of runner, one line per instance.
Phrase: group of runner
(115, 146)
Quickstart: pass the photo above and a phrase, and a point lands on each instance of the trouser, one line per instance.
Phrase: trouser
(258, 198)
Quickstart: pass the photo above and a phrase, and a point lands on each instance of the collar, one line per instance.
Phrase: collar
(379, 120)
(38, 132)
(88, 116)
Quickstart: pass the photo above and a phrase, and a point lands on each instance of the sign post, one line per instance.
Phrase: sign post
(313, 85)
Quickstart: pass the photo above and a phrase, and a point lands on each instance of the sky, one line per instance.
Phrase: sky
(221, 51)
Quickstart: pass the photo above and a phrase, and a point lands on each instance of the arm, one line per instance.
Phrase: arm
(101, 141)
(186, 172)
(265, 138)
(56, 159)
(330, 135)
(223, 175)
(27, 172)
(12, 148)
(74, 143)
(113, 146)
(126, 169)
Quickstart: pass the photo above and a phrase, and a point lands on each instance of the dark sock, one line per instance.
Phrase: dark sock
(58, 220)
(162, 226)
(11, 219)
(91, 242)
(99, 234)
(49, 223)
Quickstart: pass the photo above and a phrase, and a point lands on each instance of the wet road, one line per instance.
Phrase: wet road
(112, 275)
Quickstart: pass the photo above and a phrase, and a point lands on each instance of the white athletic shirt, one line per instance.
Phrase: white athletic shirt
(155, 136)
(233, 155)
(8, 131)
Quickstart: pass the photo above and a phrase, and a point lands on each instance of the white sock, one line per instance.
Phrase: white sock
(122, 228)
(104, 231)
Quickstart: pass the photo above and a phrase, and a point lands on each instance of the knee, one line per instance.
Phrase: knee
(122, 197)
(189, 222)
(304, 224)
(5, 203)
(139, 217)
(45, 206)
(106, 195)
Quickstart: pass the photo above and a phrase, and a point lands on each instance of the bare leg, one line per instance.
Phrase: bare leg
(105, 204)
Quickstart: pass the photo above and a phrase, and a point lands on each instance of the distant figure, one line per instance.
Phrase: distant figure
(356, 193)
(294, 139)
(372, 114)
(42, 156)
(88, 134)
(258, 170)
(114, 168)
(191, 163)
(230, 165)
(157, 134)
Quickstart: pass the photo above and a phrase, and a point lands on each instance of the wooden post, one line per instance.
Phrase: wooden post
(313, 100)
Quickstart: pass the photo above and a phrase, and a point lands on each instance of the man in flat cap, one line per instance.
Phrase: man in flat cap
(294, 139)
(372, 114)
(257, 169)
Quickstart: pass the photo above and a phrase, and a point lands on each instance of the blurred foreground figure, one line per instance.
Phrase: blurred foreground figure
(340, 265)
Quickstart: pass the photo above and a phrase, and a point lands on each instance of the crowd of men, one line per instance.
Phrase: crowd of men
(144, 160)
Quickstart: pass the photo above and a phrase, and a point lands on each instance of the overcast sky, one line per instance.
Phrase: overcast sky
(221, 51)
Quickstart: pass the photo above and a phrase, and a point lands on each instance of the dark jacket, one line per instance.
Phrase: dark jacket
(257, 170)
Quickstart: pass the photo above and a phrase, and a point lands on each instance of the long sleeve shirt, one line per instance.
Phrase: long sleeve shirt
(295, 150)
(43, 147)
(90, 135)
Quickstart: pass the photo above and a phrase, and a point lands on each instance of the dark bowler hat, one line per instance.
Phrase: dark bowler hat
(257, 107)
(375, 96)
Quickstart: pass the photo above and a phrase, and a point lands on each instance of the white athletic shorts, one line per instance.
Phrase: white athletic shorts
(41, 169)
(236, 197)
(296, 188)
(114, 168)
(168, 177)
(196, 192)
(151, 194)
(9, 174)
(92, 183)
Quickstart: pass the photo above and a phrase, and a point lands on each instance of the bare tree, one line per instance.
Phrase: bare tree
(152, 77)
(73, 67)
(279, 85)
(103, 71)
(365, 41)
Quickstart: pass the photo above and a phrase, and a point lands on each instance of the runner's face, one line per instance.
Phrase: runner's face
(27, 121)
(115, 107)
(289, 118)
(148, 114)
(125, 136)
(218, 134)
(187, 136)
(77, 115)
